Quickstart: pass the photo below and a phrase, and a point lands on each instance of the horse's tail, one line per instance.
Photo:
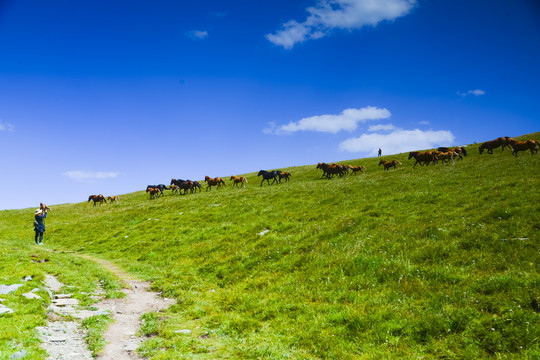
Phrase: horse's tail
(245, 179)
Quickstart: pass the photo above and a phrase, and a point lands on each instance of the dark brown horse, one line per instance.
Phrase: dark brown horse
(493, 144)
(389, 164)
(239, 180)
(329, 170)
(217, 181)
(531, 145)
(423, 158)
(97, 199)
(284, 175)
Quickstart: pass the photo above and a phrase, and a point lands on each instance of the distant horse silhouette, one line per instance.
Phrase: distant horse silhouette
(113, 198)
(493, 144)
(239, 180)
(423, 158)
(267, 175)
(217, 181)
(531, 145)
(387, 164)
(97, 199)
(284, 175)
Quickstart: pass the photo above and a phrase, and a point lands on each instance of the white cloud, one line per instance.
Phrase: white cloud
(198, 34)
(346, 121)
(339, 14)
(397, 141)
(381, 127)
(4, 126)
(423, 122)
(476, 92)
(89, 175)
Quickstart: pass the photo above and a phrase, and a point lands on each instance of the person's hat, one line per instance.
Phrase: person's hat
(38, 211)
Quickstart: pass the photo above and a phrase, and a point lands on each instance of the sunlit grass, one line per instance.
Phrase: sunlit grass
(438, 261)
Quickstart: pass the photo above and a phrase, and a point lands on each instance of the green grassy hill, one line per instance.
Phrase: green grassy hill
(431, 262)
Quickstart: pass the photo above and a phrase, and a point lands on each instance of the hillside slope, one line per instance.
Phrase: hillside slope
(437, 261)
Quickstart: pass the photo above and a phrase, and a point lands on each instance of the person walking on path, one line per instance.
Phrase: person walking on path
(39, 226)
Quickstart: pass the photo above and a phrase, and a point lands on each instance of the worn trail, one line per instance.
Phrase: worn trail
(64, 339)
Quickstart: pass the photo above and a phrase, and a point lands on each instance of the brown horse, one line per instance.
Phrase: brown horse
(217, 181)
(113, 198)
(239, 180)
(356, 169)
(175, 188)
(284, 175)
(531, 145)
(388, 164)
(448, 155)
(493, 144)
(329, 170)
(154, 192)
(423, 157)
(97, 199)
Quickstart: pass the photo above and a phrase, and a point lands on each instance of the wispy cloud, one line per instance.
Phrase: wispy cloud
(397, 141)
(197, 34)
(476, 92)
(423, 122)
(346, 121)
(90, 175)
(5, 126)
(339, 14)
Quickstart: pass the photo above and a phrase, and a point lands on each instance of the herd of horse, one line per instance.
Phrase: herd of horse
(445, 155)
(515, 145)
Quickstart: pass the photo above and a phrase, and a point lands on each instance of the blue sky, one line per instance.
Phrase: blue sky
(110, 96)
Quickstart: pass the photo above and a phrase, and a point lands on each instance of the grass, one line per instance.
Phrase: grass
(431, 262)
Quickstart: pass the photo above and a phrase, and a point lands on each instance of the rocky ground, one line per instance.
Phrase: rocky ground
(63, 338)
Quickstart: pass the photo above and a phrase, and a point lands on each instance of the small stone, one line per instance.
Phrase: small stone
(185, 331)
(30, 295)
(18, 355)
(28, 278)
(65, 302)
(5, 310)
(62, 296)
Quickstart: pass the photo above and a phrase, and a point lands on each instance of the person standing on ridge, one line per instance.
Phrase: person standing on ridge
(39, 226)
(380, 152)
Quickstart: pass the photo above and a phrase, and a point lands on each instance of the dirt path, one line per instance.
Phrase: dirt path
(120, 337)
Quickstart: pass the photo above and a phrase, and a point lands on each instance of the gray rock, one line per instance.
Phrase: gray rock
(185, 331)
(30, 295)
(6, 289)
(28, 278)
(18, 355)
